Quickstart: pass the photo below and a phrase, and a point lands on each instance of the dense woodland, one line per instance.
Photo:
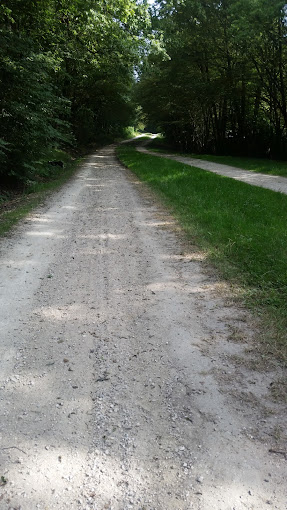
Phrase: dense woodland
(218, 82)
(67, 68)
(210, 75)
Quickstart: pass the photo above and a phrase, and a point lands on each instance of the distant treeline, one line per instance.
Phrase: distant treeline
(217, 81)
(66, 73)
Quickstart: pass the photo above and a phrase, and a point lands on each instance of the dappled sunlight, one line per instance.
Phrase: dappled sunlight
(101, 252)
(137, 183)
(94, 179)
(65, 312)
(55, 473)
(108, 400)
(113, 237)
(98, 165)
(59, 448)
(95, 187)
(106, 209)
(197, 256)
(47, 233)
(35, 219)
(60, 451)
(18, 264)
(159, 223)
(173, 286)
(189, 257)
(163, 286)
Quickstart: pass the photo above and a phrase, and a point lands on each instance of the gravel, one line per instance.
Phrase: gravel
(113, 346)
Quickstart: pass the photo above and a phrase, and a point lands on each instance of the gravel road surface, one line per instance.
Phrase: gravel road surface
(118, 385)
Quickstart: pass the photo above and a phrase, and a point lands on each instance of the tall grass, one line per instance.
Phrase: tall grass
(242, 228)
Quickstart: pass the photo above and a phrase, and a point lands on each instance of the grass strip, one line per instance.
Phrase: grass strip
(242, 228)
(16, 208)
(260, 165)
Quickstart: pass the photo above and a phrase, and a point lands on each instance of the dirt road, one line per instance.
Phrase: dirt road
(118, 386)
(273, 182)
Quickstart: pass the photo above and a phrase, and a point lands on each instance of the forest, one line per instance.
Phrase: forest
(67, 71)
(218, 82)
(209, 75)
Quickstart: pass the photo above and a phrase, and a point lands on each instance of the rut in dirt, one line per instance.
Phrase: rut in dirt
(112, 340)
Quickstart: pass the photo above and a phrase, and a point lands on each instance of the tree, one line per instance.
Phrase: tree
(66, 74)
(222, 87)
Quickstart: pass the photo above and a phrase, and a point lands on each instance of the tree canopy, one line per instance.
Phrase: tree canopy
(211, 75)
(66, 73)
(219, 84)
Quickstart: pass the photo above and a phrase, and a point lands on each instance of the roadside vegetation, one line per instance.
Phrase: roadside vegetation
(216, 82)
(66, 78)
(260, 165)
(15, 205)
(67, 71)
(241, 228)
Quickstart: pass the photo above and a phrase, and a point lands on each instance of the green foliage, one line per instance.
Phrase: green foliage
(31, 108)
(219, 85)
(16, 206)
(66, 74)
(129, 132)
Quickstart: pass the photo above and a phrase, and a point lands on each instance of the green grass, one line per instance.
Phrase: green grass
(263, 166)
(15, 207)
(242, 228)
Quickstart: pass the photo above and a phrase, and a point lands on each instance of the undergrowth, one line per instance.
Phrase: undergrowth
(15, 206)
